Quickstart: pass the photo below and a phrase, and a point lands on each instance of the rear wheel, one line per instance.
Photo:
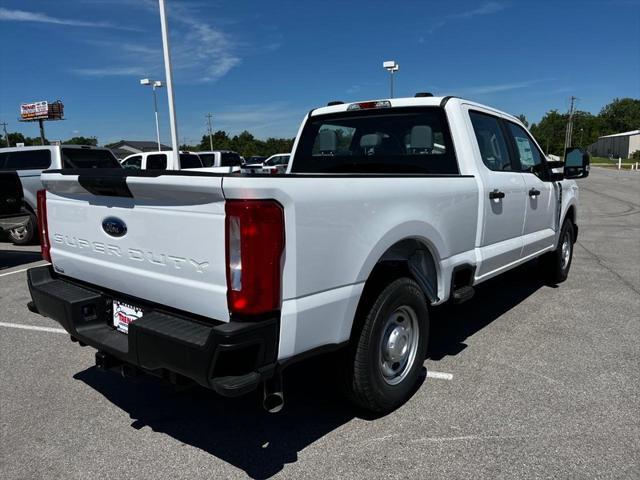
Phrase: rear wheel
(24, 235)
(558, 262)
(386, 357)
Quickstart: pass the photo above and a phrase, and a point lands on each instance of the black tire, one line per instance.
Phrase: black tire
(25, 235)
(557, 263)
(366, 384)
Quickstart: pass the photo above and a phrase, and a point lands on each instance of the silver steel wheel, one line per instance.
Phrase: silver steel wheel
(19, 233)
(565, 250)
(399, 344)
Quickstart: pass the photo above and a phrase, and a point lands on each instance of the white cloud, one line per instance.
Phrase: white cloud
(488, 8)
(24, 16)
(110, 71)
(200, 52)
(501, 87)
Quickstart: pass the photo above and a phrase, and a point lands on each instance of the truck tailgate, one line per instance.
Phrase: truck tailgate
(160, 239)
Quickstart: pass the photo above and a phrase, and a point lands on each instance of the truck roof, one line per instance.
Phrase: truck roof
(408, 102)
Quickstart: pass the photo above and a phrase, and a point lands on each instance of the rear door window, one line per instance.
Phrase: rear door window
(157, 161)
(26, 160)
(491, 141)
(88, 158)
(208, 159)
(399, 140)
(230, 159)
(189, 160)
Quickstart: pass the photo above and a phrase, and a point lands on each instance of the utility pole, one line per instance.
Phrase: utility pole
(173, 165)
(6, 135)
(209, 116)
(569, 131)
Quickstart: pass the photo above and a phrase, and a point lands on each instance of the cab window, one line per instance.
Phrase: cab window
(491, 141)
(134, 163)
(26, 160)
(527, 153)
(404, 140)
(157, 161)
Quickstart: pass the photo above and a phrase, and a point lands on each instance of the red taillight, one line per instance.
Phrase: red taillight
(255, 242)
(43, 227)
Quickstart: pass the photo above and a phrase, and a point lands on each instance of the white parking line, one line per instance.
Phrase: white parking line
(32, 327)
(439, 375)
(35, 264)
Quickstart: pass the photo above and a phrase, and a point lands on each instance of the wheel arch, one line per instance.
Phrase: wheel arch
(412, 257)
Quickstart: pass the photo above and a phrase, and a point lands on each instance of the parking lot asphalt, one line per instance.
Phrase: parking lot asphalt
(545, 383)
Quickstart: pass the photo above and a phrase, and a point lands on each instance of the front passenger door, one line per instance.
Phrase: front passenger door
(504, 194)
(539, 218)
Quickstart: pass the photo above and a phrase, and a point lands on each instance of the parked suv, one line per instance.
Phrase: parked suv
(29, 162)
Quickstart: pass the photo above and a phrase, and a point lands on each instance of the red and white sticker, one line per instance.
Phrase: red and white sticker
(125, 314)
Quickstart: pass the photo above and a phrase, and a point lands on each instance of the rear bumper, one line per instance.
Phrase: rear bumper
(231, 358)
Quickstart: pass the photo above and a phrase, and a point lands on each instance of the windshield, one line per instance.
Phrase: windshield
(189, 160)
(399, 140)
(277, 160)
(88, 158)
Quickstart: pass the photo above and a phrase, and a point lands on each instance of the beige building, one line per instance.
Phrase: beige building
(617, 145)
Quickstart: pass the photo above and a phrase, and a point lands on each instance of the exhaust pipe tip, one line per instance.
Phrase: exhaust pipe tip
(273, 402)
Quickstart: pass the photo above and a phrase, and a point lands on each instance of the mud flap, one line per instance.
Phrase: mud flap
(422, 267)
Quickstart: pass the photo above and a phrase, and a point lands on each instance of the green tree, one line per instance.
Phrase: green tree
(93, 141)
(621, 115)
(523, 119)
(549, 132)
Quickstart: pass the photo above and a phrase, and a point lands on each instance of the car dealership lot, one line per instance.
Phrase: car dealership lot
(543, 382)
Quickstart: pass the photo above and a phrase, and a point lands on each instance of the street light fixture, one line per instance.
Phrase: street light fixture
(391, 66)
(154, 84)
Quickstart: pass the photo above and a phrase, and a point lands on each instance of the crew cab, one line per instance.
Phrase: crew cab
(158, 160)
(388, 208)
(29, 162)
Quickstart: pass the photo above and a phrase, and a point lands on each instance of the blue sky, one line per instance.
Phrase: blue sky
(261, 65)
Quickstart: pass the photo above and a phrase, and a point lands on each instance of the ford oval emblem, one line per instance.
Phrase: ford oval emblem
(114, 226)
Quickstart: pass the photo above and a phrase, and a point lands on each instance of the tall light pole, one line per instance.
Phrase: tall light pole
(391, 66)
(154, 84)
(169, 79)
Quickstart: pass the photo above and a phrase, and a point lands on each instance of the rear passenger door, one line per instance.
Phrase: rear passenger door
(539, 218)
(503, 191)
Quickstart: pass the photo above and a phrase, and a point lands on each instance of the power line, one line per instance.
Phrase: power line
(569, 131)
(209, 117)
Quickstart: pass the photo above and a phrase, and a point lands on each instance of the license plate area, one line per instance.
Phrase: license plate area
(124, 314)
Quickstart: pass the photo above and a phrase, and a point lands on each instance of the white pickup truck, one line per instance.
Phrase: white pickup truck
(387, 208)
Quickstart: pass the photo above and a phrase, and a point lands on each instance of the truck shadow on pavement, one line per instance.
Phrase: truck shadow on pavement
(241, 433)
(451, 324)
(15, 258)
(238, 430)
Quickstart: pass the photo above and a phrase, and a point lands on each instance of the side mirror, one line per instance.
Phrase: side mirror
(576, 163)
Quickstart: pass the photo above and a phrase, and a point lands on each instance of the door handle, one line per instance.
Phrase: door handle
(534, 193)
(496, 194)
